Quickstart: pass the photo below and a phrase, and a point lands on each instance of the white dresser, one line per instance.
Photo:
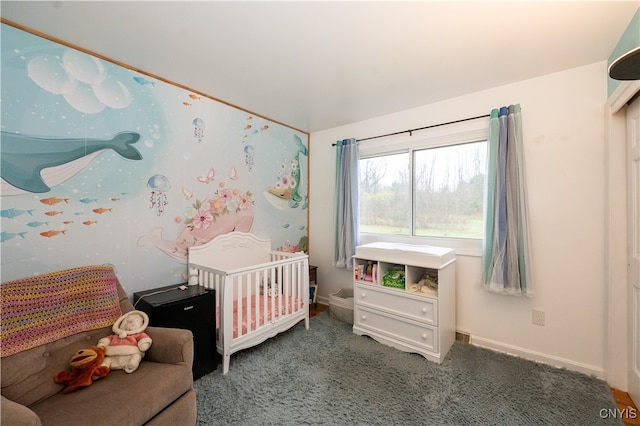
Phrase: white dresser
(419, 318)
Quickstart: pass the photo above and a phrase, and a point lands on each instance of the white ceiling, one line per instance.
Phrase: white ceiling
(318, 65)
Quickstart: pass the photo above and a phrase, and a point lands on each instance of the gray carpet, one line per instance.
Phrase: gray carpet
(328, 375)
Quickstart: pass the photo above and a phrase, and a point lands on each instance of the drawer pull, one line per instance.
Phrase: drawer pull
(424, 310)
(425, 336)
(364, 317)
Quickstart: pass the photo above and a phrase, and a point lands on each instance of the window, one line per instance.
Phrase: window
(385, 194)
(431, 188)
(449, 190)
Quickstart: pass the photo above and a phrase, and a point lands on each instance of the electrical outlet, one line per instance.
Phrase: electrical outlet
(538, 317)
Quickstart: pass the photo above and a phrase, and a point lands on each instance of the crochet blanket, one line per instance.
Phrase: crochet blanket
(45, 308)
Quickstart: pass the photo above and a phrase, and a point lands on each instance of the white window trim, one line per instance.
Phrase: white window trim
(454, 134)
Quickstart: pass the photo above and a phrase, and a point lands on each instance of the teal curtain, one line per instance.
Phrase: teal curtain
(346, 220)
(506, 254)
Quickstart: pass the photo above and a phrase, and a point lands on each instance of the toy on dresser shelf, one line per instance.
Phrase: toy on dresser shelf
(358, 272)
(365, 272)
(427, 285)
(369, 272)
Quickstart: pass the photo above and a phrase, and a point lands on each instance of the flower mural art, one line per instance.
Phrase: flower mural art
(203, 214)
(224, 211)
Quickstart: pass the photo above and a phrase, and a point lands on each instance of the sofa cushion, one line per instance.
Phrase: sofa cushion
(129, 399)
(14, 414)
(27, 377)
(44, 308)
(181, 413)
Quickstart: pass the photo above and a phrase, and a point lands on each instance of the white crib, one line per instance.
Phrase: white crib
(271, 288)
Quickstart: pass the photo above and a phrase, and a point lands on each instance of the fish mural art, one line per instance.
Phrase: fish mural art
(143, 81)
(54, 200)
(35, 164)
(36, 224)
(6, 236)
(52, 233)
(12, 212)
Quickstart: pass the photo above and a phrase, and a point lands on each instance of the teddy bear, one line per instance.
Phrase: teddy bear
(125, 348)
(86, 366)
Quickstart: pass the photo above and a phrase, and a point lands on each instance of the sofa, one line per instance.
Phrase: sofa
(47, 318)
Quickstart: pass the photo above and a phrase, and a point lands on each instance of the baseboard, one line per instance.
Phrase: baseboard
(540, 357)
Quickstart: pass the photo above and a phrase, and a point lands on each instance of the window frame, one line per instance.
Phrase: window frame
(476, 130)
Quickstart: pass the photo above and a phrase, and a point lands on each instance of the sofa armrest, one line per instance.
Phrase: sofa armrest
(12, 413)
(170, 345)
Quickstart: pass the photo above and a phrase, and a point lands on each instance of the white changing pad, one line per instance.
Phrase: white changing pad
(407, 254)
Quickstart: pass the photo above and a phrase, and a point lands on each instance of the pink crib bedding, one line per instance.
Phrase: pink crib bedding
(288, 306)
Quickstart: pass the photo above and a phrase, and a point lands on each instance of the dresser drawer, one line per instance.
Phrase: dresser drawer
(419, 308)
(410, 333)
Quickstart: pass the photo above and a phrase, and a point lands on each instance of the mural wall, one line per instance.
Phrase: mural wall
(101, 164)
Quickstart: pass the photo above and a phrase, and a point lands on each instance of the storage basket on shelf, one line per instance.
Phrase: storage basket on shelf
(341, 305)
(394, 278)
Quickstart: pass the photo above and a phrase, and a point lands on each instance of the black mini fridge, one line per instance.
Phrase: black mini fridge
(187, 307)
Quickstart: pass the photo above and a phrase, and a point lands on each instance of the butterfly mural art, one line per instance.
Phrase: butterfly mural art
(208, 177)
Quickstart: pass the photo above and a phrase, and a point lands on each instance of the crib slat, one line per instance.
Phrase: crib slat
(239, 303)
(294, 286)
(273, 284)
(256, 294)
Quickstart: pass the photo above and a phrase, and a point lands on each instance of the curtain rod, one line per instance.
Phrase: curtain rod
(421, 128)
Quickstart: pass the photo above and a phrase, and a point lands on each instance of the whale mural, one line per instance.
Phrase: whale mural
(25, 157)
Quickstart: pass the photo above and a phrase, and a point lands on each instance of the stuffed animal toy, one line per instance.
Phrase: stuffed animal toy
(125, 348)
(86, 366)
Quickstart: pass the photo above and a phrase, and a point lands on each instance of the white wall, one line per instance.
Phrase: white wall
(563, 128)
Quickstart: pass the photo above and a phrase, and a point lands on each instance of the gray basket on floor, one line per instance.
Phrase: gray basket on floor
(341, 305)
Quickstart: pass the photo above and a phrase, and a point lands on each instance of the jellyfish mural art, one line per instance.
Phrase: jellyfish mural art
(198, 129)
(224, 211)
(159, 185)
(249, 152)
